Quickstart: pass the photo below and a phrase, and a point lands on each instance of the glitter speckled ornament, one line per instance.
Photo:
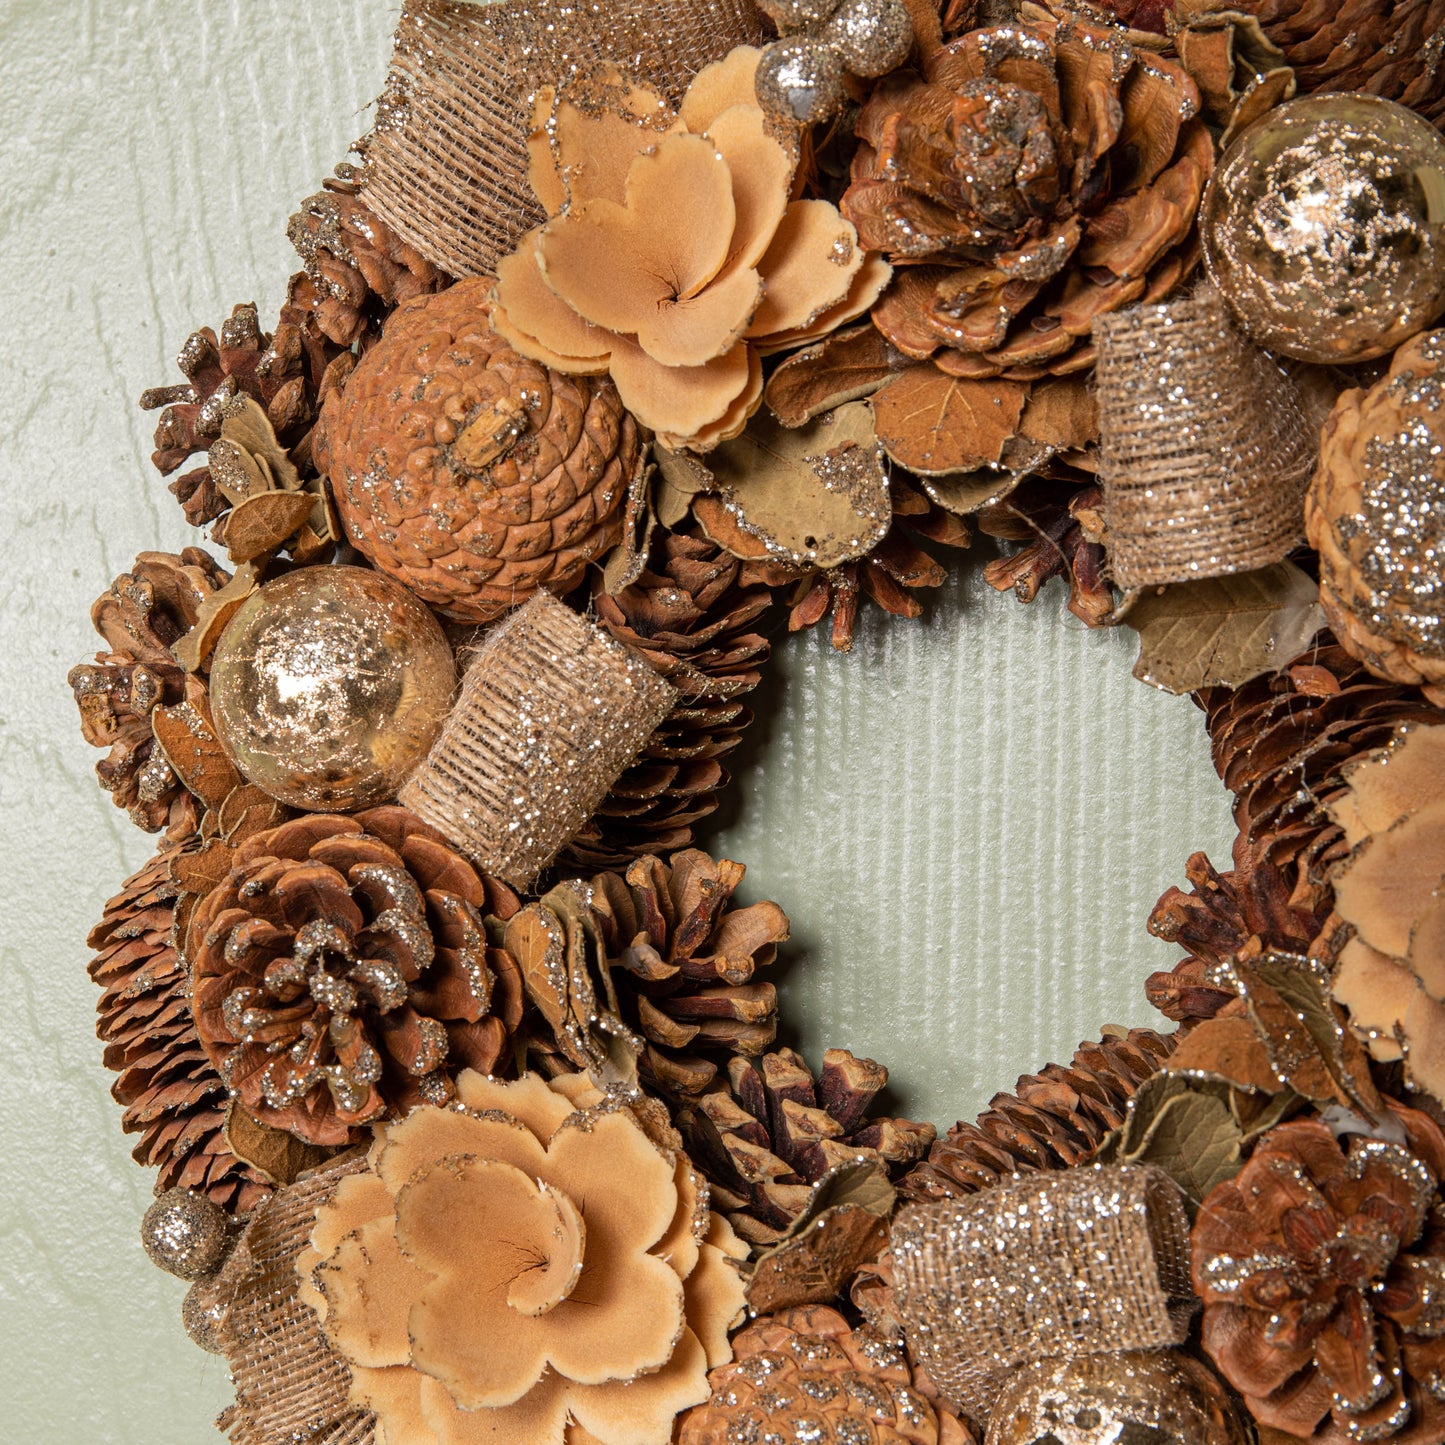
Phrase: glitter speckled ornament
(201, 1316)
(1324, 227)
(871, 36)
(185, 1234)
(329, 685)
(1154, 1397)
(800, 81)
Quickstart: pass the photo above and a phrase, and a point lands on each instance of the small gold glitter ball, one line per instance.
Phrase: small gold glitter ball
(185, 1234)
(799, 81)
(871, 36)
(329, 685)
(202, 1315)
(1159, 1396)
(1324, 227)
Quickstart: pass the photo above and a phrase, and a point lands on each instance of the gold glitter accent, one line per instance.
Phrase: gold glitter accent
(1205, 445)
(551, 712)
(1081, 1260)
(185, 1234)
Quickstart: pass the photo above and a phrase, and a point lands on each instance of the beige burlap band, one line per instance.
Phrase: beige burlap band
(552, 710)
(1206, 446)
(446, 165)
(1075, 1261)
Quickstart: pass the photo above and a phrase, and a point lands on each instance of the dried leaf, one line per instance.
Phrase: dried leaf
(848, 366)
(939, 426)
(1229, 1050)
(207, 868)
(194, 650)
(186, 733)
(1224, 630)
(627, 559)
(247, 811)
(814, 494)
(264, 523)
(248, 459)
(680, 478)
(280, 1157)
(1062, 413)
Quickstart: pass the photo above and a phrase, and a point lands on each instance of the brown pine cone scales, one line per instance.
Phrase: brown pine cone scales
(144, 614)
(469, 473)
(771, 1129)
(1322, 1270)
(173, 1096)
(342, 972)
(1054, 1119)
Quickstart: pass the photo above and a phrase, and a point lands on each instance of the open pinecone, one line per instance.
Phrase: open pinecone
(172, 1095)
(469, 473)
(772, 1129)
(1054, 1119)
(1028, 187)
(144, 614)
(289, 373)
(342, 972)
(691, 615)
(359, 268)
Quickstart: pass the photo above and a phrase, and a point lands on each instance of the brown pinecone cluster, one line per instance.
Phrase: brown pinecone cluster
(771, 1128)
(144, 614)
(172, 1095)
(695, 618)
(1054, 1119)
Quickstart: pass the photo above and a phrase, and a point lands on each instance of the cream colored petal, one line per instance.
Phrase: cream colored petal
(1390, 881)
(1376, 991)
(720, 86)
(703, 327)
(427, 1135)
(1424, 1027)
(358, 1199)
(761, 171)
(675, 399)
(594, 151)
(395, 1394)
(307, 1290)
(808, 268)
(715, 1298)
(734, 420)
(615, 265)
(539, 1418)
(542, 172)
(645, 1411)
(370, 1287)
(536, 1102)
(865, 289)
(1386, 788)
(538, 322)
(578, 1090)
(679, 1245)
(1426, 958)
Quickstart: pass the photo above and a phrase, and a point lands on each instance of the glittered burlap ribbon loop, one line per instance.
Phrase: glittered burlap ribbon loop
(551, 712)
(1078, 1261)
(1205, 445)
(446, 166)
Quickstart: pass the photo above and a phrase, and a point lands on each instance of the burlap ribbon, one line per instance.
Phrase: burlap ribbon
(446, 166)
(1206, 446)
(551, 712)
(1075, 1261)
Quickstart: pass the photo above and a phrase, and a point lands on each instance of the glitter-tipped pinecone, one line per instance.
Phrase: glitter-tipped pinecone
(172, 1095)
(469, 473)
(1054, 1119)
(805, 1375)
(359, 268)
(144, 614)
(692, 617)
(771, 1129)
(342, 972)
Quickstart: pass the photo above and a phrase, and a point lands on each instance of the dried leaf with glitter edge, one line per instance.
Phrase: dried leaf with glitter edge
(941, 426)
(186, 733)
(1226, 1050)
(1224, 630)
(843, 1227)
(847, 366)
(625, 562)
(815, 494)
(263, 523)
(680, 477)
(194, 650)
(280, 1157)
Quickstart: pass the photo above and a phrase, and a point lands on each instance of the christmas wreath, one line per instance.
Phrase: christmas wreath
(631, 332)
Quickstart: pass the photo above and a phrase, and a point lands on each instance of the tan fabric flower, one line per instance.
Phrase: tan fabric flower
(673, 258)
(1391, 892)
(532, 1265)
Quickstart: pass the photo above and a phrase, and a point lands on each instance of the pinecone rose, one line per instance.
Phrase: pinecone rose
(469, 473)
(1032, 178)
(1322, 1270)
(673, 258)
(342, 973)
(524, 1266)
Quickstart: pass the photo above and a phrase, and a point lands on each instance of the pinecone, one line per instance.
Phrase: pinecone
(768, 1134)
(468, 473)
(692, 617)
(1370, 512)
(173, 1097)
(1322, 1270)
(146, 611)
(805, 1375)
(358, 267)
(1015, 232)
(342, 972)
(1053, 1120)
(289, 373)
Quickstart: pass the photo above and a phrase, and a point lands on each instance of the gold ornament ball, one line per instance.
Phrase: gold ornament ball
(185, 1234)
(1324, 227)
(202, 1316)
(329, 685)
(1161, 1396)
(799, 81)
(871, 36)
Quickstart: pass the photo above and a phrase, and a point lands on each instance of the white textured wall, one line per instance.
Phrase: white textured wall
(967, 821)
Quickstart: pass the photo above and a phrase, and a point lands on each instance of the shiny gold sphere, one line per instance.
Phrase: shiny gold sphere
(1324, 227)
(1161, 1396)
(329, 685)
(185, 1234)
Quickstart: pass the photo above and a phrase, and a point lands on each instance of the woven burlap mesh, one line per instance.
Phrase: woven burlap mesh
(1077, 1261)
(446, 165)
(1205, 445)
(290, 1386)
(552, 711)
